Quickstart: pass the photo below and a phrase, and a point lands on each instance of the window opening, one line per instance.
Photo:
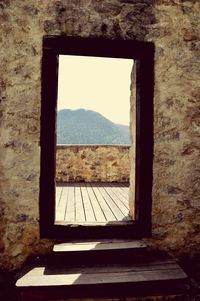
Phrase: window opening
(93, 140)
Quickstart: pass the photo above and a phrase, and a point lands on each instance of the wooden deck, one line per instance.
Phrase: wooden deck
(91, 203)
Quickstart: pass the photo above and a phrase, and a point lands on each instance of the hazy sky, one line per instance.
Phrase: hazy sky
(99, 84)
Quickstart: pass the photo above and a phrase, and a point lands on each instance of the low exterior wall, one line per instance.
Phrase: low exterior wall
(92, 163)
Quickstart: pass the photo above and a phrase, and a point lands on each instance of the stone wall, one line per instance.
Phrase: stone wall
(174, 27)
(92, 163)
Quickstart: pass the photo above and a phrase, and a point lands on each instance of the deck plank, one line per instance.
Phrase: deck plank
(89, 212)
(115, 209)
(121, 191)
(70, 212)
(61, 209)
(58, 195)
(100, 217)
(117, 201)
(79, 207)
(124, 188)
(120, 196)
(105, 207)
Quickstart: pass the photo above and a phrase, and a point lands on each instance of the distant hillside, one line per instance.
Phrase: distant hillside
(89, 127)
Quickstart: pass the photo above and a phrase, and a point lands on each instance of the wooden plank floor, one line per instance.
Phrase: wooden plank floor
(92, 203)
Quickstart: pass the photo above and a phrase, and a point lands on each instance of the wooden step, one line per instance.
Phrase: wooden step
(104, 244)
(99, 251)
(159, 277)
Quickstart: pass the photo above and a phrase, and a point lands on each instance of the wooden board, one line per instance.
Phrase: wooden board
(132, 273)
(104, 244)
(70, 212)
(122, 192)
(62, 205)
(79, 208)
(89, 211)
(95, 204)
(123, 204)
(104, 205)
(58, 195)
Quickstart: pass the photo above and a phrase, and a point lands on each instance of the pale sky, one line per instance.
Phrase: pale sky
(98, 84)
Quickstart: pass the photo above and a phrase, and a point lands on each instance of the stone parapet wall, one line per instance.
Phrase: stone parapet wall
(92, 163)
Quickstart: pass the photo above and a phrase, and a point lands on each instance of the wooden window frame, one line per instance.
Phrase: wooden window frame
(143, 55)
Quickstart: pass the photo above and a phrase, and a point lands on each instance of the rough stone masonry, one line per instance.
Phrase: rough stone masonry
(92, 163)
(174, 27)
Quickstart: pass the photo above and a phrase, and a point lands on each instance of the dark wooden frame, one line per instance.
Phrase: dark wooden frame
(143, 55)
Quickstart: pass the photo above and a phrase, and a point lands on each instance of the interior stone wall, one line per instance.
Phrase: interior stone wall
(92, 163)
(174, 27)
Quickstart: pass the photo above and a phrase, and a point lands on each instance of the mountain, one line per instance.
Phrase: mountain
(89, 127)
